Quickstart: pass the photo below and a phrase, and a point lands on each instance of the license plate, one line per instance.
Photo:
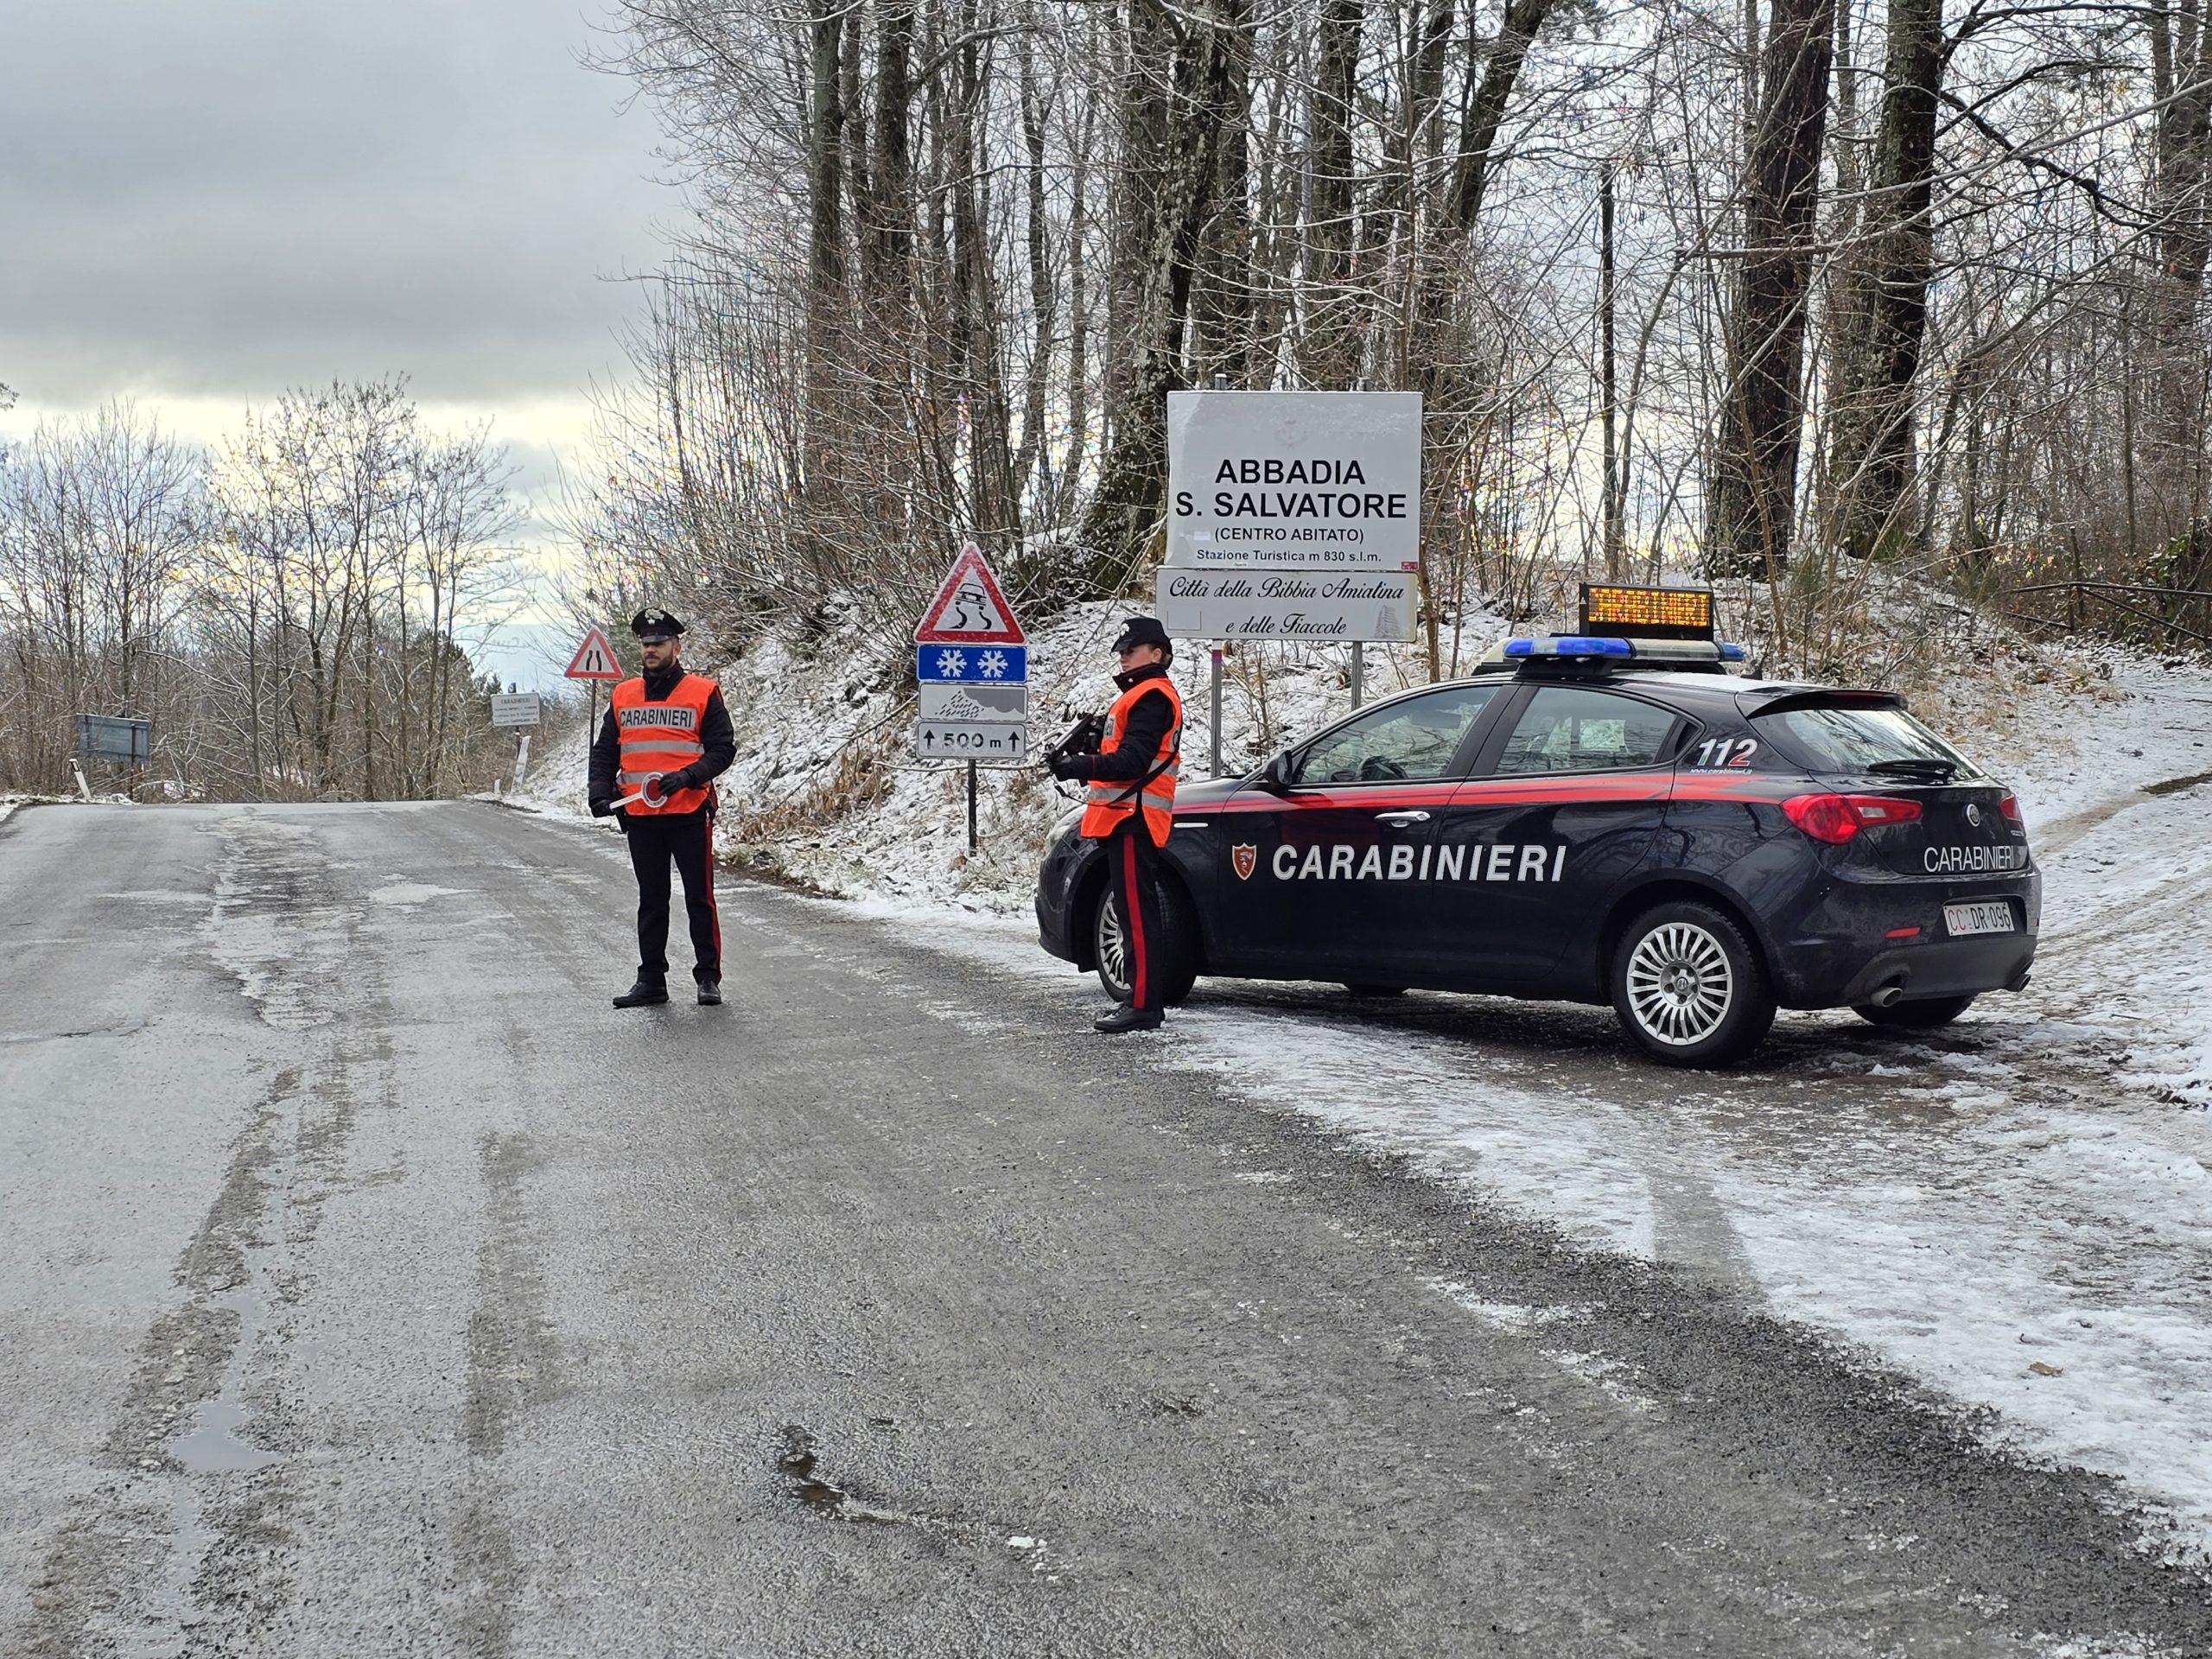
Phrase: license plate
(1993, 916)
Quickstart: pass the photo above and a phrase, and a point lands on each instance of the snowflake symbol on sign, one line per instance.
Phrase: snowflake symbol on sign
(992, 665)
(951, 663)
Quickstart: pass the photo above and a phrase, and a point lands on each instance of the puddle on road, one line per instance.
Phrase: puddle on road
(823, 1496)
(212, 1445)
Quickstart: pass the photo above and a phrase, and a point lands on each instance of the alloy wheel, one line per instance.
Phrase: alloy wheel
(1113, 946)
(1680, 984)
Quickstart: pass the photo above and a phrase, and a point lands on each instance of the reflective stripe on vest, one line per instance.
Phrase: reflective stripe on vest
(662, 737)
(1105, 804)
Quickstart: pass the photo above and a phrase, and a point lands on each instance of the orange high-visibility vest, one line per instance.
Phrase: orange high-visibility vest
(659, 737)
(1106, 804)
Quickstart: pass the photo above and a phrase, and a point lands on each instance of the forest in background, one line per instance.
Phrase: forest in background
(1791, 292)
(289, 610)
(1828, 301)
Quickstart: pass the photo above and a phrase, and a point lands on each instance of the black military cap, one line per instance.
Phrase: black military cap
(651, 625)
(1141, 631)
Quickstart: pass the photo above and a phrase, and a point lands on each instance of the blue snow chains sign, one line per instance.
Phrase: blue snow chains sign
(992, 665)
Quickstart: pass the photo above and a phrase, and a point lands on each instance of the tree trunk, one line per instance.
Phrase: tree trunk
(1883, 317)
(1755, 483)
(1329, 344)
(1174, 136)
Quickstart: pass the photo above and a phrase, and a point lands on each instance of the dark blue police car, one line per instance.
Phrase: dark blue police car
(1598, 818)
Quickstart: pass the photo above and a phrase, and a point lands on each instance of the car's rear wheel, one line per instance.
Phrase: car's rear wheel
(1688, 988)
(1174, 957)
(1924, 1015)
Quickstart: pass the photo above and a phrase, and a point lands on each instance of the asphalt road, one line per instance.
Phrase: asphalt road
(371, 1286)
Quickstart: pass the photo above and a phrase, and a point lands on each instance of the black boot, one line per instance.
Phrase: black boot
(645, 993)
(710, 993)
(1127, 1018)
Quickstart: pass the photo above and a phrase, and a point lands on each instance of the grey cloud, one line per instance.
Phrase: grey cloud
(215, 197)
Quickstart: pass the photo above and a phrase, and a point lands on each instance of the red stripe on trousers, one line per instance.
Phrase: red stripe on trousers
(707, 829)
(1133, 919)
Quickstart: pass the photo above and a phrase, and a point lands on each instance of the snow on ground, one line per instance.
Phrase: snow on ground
(826, 790)
(2016, 1212)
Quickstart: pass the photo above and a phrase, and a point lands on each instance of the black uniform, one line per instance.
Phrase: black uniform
(1131, 859)
(658, 838)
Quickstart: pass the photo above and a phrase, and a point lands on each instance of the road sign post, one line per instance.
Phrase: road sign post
(971, 666)
(594, 661)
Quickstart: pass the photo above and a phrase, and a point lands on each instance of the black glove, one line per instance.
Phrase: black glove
(1070, 767)
(602, 806)
(673, 781)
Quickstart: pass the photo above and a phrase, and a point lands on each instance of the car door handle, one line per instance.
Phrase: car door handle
(1401, 820)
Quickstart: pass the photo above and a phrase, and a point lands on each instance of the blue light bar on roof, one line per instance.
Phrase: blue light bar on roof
(1569, 645)
(1729, 653)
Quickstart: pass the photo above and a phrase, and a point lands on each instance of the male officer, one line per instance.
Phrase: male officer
(1131, 803)
(667, 737)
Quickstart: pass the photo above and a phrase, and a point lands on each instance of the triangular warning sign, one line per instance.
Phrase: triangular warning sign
(969, 609)
(594, 660)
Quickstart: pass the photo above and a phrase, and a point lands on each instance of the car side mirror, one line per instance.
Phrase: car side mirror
(1274, 777)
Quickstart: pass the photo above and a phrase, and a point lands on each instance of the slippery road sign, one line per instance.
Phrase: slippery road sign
(594, 660)
(969, 609)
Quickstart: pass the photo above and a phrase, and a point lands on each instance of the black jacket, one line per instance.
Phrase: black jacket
(716, 737)
(1142, 734)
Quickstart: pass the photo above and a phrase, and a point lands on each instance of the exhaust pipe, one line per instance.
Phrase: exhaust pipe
(1888, 994)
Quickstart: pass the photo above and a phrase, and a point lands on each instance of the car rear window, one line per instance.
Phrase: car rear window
(1855, 737)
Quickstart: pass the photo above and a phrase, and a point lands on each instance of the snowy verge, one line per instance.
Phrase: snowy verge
(2016, 1213)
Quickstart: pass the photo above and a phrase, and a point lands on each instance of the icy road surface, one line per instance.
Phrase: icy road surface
(371, 1287)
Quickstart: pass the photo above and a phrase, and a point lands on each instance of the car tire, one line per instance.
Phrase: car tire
(1176, 960)
(1373, 993)
(1924, 1015)
(1688, 988)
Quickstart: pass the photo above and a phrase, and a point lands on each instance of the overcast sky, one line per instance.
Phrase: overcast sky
(205, 202)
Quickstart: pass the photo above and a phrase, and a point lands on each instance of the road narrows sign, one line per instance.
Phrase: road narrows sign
(969, 609)
(594, 660)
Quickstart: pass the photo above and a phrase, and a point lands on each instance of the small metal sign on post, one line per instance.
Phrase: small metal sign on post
(122, 739)
(594, 661)
(521, 712)
(516, 708)
(971, 665)
(115, 737)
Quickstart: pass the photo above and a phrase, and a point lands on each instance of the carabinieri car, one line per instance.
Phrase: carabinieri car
(1597, 819)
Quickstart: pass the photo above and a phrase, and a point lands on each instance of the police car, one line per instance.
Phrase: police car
(1618, 816)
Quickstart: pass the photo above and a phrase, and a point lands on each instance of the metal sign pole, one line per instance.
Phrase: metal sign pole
(1214, 715)
(971, 806)
(522, 759)
(1358, 669)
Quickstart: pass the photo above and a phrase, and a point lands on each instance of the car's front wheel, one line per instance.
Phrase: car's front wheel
(1688, 987)
(1174, 957)
(1924, 1015)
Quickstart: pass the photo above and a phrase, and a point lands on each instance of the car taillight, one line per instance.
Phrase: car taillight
(1835, 819)
(2009, 808)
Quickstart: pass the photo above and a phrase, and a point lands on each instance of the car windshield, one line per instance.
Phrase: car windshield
(1863, 738)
